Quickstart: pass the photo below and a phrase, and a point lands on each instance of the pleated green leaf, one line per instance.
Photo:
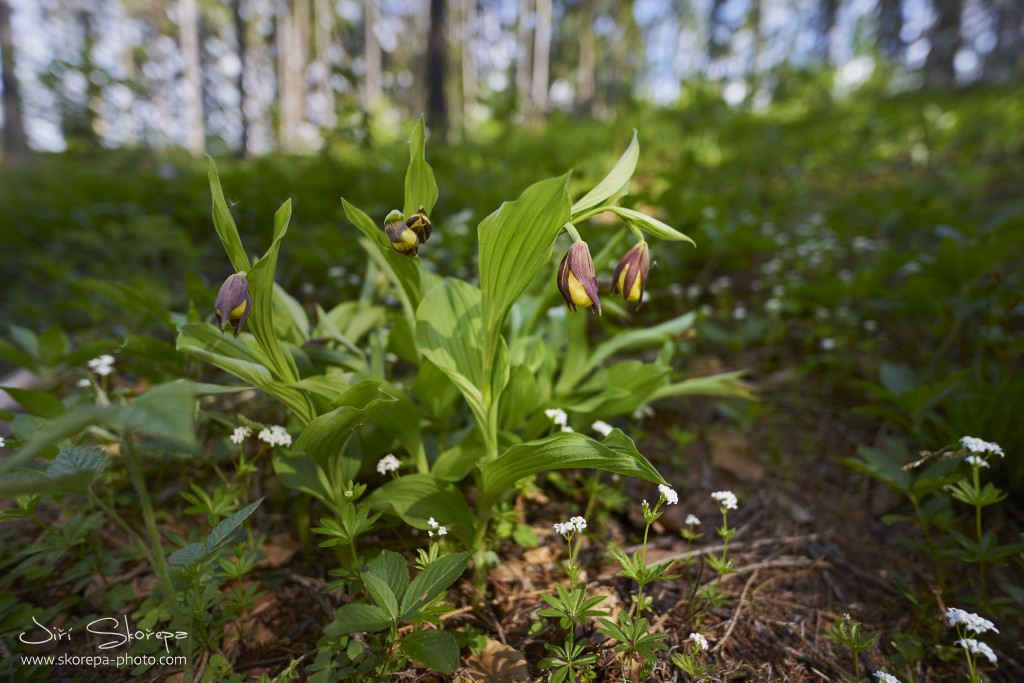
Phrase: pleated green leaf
(650, 225)
(615, 183)
(515, 244)
(418, 497)
(420, 186)
(436, 650)
(616, 453)
(403, 271)
(225, 224)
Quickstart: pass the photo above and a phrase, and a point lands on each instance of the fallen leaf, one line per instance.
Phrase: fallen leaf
(498, 663)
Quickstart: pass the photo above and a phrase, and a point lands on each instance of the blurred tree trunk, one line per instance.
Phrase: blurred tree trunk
(585, 67)
(1006, 59)
(323, 21)
(372, 90)
(826, 21)
(242, 45)
(292, 38)
(944, 37)
(524, 68)
(716, 47)
(437, 103)
(754, 25)
(15, 143)
(890, 24)
(541, 55)
(469, 70)
(195, 138)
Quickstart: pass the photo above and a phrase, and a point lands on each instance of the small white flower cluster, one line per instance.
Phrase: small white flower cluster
(701, 641)
(886, 678)
(692, 520)
(275, 436)
(977, 461)
(726, 499)
(669, 494)
(602, 428)
(83, 383)
(573, 525)
(102, 365)
(441, 531)
(970, 620)
(559, 417)
(976, 445)
(977, 648)
(389, 463)
(2, 442)
(242, 433)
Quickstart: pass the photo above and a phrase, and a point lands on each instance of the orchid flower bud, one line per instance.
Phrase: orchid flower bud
(234, 303)
(576, 279)
(407, 235)
(630, 276)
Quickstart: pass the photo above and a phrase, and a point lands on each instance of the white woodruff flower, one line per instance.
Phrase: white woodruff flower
(579, 523)
(701, 641)
(275, 436)
(564, 528)
(83, 383)
(389, 463)
(567, 428)
(885, 678)
(976, 445)
(102, 365)
(969, 619)
(433, 524)
(558, 416)
(726, 499)
(240, 434)
(2, 442)
(602, 428)
(669, 494)
(977, 461)
(692, 520)
(977, 648)
(441, 531)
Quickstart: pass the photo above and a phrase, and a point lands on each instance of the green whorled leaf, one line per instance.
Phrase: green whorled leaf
(420, 186)
(39, 403)
(324, 437)
(650, 225)
(616, 453)
(726, 384)
(448, 333)
(301, 473)
(614, 183)
(418, 497)
(390, 567)
(436, 650)
(357, 618)
(220, 533)
(73, 460)
(190, 554)
(401, 270)
(382, 594)
(290, 317)
(433, 581)
(515, 244)
(261, 289)
(225, 224)
(640, 337)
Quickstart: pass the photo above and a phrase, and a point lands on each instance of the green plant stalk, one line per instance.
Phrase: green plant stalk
(159, 560)
(725, 546)
(643, 563)
(977, 525)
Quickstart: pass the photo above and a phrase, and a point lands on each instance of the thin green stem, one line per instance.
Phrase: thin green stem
(977, 525)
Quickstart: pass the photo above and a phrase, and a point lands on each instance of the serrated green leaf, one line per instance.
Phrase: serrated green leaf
(220, 532)
(382, 594)
(72, 460)
(390, 567)
(436, 650)
(433, 581)
(357, 618)
(190, 554)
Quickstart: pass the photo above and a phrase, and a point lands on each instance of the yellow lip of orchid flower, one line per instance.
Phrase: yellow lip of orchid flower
(576, 279)
(407, 235)
(630, 276)
(233, 303)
